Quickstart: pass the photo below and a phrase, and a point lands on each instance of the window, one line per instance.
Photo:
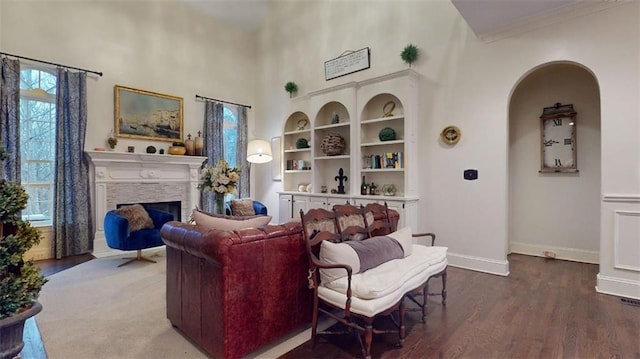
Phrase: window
(37, 141)
(230, 132)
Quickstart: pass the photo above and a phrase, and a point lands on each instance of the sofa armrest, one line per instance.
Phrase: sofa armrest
(116, 227)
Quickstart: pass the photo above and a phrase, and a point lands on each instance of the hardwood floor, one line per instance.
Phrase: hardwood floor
(33, 346)
(543, 309)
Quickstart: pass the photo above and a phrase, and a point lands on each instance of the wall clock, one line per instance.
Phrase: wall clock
(558, 146)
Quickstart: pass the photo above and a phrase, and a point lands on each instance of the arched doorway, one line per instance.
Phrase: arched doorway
(554, 214)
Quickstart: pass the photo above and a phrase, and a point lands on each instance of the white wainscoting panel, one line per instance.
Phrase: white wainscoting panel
(626, 253)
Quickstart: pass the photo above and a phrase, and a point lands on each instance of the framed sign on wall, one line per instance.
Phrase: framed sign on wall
(558, 146)
(351, 62)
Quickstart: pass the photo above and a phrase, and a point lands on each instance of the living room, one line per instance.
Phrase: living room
(168, 47)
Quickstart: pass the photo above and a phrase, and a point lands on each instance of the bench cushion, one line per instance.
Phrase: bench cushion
(359, 255)
(371, 307)
(365, 254)
(389, 277)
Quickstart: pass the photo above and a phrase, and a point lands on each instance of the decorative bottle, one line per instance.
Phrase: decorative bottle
(189, 144)
(363, 187)
(199, 145)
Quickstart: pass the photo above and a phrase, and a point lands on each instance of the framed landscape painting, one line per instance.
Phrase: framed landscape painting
(147, 115)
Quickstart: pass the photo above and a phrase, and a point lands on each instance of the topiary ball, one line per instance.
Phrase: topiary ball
(302, 143)
(387, 134)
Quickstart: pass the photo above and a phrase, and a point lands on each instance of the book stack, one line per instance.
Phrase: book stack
(387, 160)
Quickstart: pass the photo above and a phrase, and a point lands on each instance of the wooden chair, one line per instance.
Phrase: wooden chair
(351, 222)
(321, 225)
(378, 211)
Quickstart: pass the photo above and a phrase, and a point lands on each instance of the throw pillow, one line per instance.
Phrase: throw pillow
(229, 223)
(404, 237)
(137, 217)
(359, 255)
(242, 207)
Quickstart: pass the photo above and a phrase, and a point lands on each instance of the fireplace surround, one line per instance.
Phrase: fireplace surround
(124, 178)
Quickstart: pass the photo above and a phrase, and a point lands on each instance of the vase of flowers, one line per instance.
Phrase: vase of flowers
(221, 180)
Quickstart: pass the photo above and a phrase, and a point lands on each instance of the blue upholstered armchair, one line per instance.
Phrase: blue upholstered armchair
(119, 236)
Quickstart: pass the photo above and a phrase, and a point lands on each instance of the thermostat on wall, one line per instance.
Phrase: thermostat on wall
(471, 174)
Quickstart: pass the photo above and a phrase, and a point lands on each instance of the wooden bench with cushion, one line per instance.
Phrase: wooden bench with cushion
(360, 269)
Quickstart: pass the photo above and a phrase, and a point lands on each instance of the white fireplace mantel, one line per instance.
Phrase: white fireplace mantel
(120, 177)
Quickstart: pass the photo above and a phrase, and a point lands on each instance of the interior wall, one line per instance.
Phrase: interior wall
(467, 83)
(158, 46)
(557, 212)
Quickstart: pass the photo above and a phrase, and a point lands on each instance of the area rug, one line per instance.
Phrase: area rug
(100, 310)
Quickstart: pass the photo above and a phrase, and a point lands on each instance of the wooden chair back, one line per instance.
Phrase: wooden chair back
(380, 219)
(351, 222)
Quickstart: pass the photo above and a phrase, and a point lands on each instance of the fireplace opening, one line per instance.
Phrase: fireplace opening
(173, 207)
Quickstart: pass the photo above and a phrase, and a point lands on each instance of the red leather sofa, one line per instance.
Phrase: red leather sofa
(233, 292)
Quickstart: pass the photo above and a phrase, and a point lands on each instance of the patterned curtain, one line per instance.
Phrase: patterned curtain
(244, 190)
(72, 223)
(9, 117)
(213, 146)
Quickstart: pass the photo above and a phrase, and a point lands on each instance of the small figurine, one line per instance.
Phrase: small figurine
(341, 178)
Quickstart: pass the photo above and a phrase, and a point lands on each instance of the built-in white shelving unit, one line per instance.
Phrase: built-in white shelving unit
(357, 112)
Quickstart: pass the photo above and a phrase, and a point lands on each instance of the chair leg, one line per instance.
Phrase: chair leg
(425, 295)
(314, 322)
(401, 330)
(368, 338)
(138, 257)
(444, 288)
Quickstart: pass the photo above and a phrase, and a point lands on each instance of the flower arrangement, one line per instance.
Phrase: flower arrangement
(220, 179)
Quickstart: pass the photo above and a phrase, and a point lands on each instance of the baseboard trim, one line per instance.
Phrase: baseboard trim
(479, 264)
(569, 254)
(618, 286)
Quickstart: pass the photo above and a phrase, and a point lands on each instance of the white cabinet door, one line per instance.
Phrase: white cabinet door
(317, 202)
(285, 208)
(300, 203)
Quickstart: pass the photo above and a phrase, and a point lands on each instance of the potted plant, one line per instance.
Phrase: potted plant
(112, 141)
(291, 88)
(20, 279)
(410, 54)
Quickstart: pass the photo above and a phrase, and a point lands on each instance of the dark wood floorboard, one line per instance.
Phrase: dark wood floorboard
(33, 346)
(543, 309)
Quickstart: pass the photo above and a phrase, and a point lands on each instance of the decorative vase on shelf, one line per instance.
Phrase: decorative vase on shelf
(189, 146)
(333, 144)
(177, 150)
(387, 134)
(199, 145)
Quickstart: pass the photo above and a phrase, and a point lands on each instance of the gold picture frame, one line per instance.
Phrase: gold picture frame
(148, 115)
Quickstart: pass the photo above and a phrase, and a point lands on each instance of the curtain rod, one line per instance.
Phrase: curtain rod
(51, 63)
(213, 99)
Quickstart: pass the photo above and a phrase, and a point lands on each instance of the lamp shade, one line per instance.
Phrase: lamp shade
(259, 151)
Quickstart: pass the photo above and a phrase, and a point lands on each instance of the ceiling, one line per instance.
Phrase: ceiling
(489, 19)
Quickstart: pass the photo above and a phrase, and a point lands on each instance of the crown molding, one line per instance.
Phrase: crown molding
(564, 13)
